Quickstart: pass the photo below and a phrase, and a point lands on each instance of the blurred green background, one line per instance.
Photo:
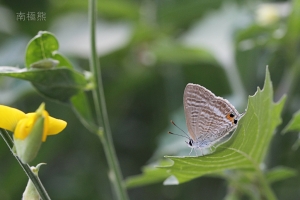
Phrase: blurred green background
(149, 50)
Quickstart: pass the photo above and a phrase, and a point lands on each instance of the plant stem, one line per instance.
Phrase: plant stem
(35, 179)
(104, 134)
(267, 191)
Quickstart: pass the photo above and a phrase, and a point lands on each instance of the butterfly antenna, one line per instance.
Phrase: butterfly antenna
(180, 129)
(178, 135)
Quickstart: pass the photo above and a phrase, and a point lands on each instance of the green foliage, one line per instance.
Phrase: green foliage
(170, 52)
(151, 174)
(294, 124)
(248, 146)
(59, 84)
(143, 82)
(54, 76)
(280, 173)
(83, 112)
(293, 26)
(176, 15)
(117, 8)
(246, 150)
(44, 45)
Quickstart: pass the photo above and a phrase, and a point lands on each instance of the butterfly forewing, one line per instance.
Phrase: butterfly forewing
(206, 114)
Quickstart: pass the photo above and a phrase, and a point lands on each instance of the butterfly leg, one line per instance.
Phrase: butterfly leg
(201, 152)
(191, 151)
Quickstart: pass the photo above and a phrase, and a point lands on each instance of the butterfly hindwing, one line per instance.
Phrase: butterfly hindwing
(208, 117)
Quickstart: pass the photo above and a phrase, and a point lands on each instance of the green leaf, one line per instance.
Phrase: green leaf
(58, 84)
(44, 45)
(172, 52)
(294, 124)
(81, 108)
(280, 173)
(151, 174)
(247, 147)
(63, 62)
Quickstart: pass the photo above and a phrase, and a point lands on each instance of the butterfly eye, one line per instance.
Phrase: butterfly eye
(191, 142)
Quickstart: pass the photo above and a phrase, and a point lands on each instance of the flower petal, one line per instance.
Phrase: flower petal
(52, 126)
(56, 126)
(9, 117)
(23, 128)
(46, 125)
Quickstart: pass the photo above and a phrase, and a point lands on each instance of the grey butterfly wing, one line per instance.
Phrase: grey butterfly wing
(195, 100)
(220, 123)
(206, 114)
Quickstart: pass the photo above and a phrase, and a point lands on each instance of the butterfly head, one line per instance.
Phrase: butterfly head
(190, 142)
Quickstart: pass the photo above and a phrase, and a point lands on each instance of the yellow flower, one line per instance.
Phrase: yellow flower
(21, 124)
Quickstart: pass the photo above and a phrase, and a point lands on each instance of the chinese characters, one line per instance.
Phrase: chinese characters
(31, 16)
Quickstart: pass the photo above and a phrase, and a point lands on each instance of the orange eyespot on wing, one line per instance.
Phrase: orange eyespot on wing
(230, 117)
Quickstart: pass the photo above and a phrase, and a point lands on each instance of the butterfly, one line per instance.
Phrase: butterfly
(209, 118)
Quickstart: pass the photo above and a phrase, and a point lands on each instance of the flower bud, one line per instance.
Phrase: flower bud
(30, 192)
(28, 147)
